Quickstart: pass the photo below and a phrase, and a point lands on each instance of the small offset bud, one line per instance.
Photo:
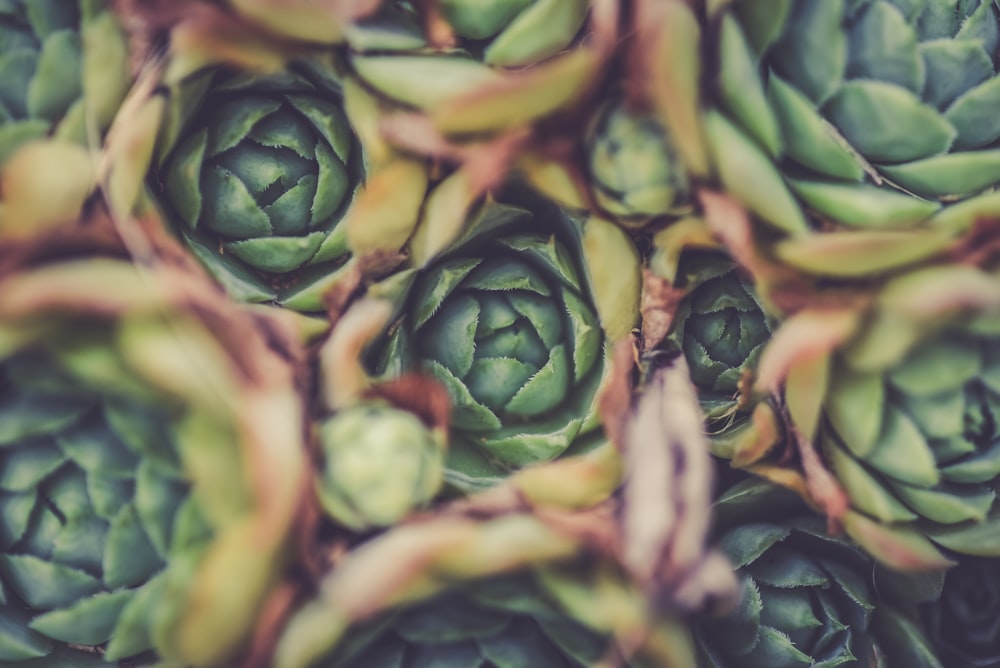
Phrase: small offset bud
(380, 463)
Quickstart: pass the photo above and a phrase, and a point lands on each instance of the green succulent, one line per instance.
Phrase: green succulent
(379, 464)
(95, 503)
(506, 320)
(503, 622)
(258, 172)
(962, 623)
(721, 328)
(873, 112)
(121, 479)
(62, 65)
(500, 33)
(503, 591)
(903, 405)
(634, 172)
(919, 441)
(808, 598)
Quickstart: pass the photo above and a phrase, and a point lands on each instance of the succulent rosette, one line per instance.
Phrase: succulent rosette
(64, 75)
(871, 114)
(962, 623)
(634, 173)
(63, 63)
(129, 486)
(508, 319)
(497, 592)
(257, 171)
(808, 598)
(721, 328)
(901, 396)
(379, 463)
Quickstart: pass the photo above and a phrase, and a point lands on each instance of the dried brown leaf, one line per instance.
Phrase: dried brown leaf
(657, 307)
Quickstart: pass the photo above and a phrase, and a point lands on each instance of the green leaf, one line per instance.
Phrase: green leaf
(333, 185)
(129, 557)
(56, 84)
(972, 115)
(775, 649)
(17, 641)
(545, 389)
(949, 175)
(183, 178)
(88, 621)
(450, 335)
(495, 380)
(749, 174)
(15, 513)
(496, 274)
(277, 254)
(937, 367)
(902, 452)
(521, 644)
(741, 89)
(18, 68)
(467, 413)
(981, 539)
(25, 416)
(432, 290)
(980, 468)
(450, 618)
(745, 544)
(291, 213)
(587, 336)
(423, 81)
(854, 406)
(80, 543)
(950, 504)
(156, 501)
(787, 609)
(327, 117)
(541, 29)
(785, 567)
(282, 129)
(866, 493)
(43, 584)
(883, 46)
(232, 120)
(131, 634)
(94, 447)
(230, 210)
(809, 139)
(24, 468)
(886, 123)
(812, 53)
(953, 67)
(864, 206)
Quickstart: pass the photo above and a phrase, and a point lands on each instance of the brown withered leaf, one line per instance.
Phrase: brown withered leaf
(206, 28)
(363, 270)
(667, 494)
(823, 489)
(657, 308)
(615, 400)
(419, 394)
(980, 246)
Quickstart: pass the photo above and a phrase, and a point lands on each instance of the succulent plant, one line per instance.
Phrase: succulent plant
(379, 463)
(506, 320)
(634, 172)
(872, 112)
(125, 463)
(721, 329)
(258, 176)
(962, 623)
(807, 598)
